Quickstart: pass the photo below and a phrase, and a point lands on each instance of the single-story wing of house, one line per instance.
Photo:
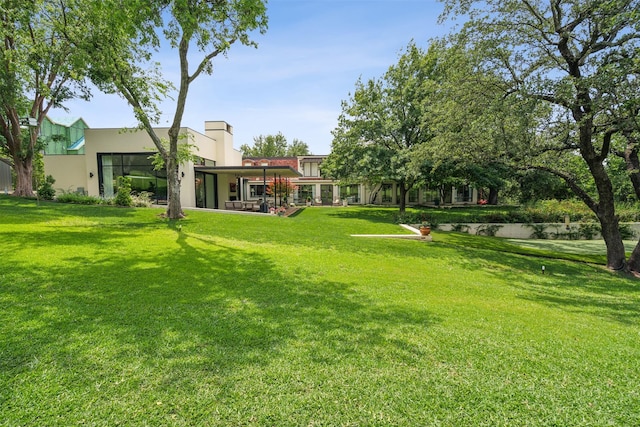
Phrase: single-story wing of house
(112, 153)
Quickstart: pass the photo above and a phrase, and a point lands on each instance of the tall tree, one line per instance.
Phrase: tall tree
(558, 52)
(38, 70)
(472, 122)
(124, 36)
(298, 148)
(274, 146)
(624, 111)
(383, 125)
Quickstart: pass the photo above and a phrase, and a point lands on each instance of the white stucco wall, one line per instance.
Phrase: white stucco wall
(222, 133)
(70, 172)
(521, 231)
(114, 140)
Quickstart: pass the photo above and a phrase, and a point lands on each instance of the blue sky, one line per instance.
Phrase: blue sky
(307, 63)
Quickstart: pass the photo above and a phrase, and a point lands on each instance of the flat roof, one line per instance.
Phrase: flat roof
(258, 171)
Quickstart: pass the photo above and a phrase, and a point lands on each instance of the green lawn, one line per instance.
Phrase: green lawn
(587, 247)
(114, 316)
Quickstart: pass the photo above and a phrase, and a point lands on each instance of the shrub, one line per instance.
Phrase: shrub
(432, 221)
(407, 218)
(488, 229)
(417, 218)
(123, 196)
(555, 210)
(539, 230)
(589, 230)
(628, 212)
(626, 232)
(572, 233)
(46, 190)
(79, 199)
(460, 228)
(142, 199)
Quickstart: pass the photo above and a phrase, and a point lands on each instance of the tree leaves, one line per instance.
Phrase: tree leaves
(274, 146)
(383, 124)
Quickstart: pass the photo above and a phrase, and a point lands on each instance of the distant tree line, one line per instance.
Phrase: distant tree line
(274, 146)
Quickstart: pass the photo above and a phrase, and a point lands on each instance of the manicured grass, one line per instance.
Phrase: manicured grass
(114, 316)
(587, 247)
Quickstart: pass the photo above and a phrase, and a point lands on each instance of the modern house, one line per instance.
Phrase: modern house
(111, 153)
(90, 161)
(61, 136)
(322, 191)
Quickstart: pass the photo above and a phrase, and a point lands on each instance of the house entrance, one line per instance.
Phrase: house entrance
(206, 195)
(326, 194)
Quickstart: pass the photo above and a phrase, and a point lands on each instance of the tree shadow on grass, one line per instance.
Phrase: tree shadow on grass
(21, 211)
(566, 285)
(191, 313)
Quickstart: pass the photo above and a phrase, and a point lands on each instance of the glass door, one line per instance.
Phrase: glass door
(326, 194)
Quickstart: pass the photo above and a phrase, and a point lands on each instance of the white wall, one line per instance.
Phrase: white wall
(73, 171)
(222, 133)
(114, 140)
(521, 231)
(69, 171)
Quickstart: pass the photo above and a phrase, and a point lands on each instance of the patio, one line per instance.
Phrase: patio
(241, 174)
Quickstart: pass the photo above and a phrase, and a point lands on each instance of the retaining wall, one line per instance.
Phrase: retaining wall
(522, 231)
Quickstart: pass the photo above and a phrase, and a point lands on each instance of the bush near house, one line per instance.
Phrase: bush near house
(123, 195)
(79, 199)
(46, 190)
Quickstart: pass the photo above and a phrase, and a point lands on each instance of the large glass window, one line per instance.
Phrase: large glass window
(201, 194)
(136, 166)
(413, 195)
(256, 190)
(386, 191)
(206, 185)
(305, 191)
(326, 194)
(350, 192)
(431, 196)
(464, 193)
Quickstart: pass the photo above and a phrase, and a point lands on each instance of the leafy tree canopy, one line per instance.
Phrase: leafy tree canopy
(572, 62)
(383, 124)
(274, 146)
(39, 70)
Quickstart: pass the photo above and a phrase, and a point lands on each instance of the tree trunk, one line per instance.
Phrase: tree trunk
(174, 208)
(24, 177)
(634, 260)
(403, 197)
(633, 167)
(493, 196)
(605, 211)
(616, 257)
(442, 197)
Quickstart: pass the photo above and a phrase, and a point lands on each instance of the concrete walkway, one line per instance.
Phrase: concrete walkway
(415, 236)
